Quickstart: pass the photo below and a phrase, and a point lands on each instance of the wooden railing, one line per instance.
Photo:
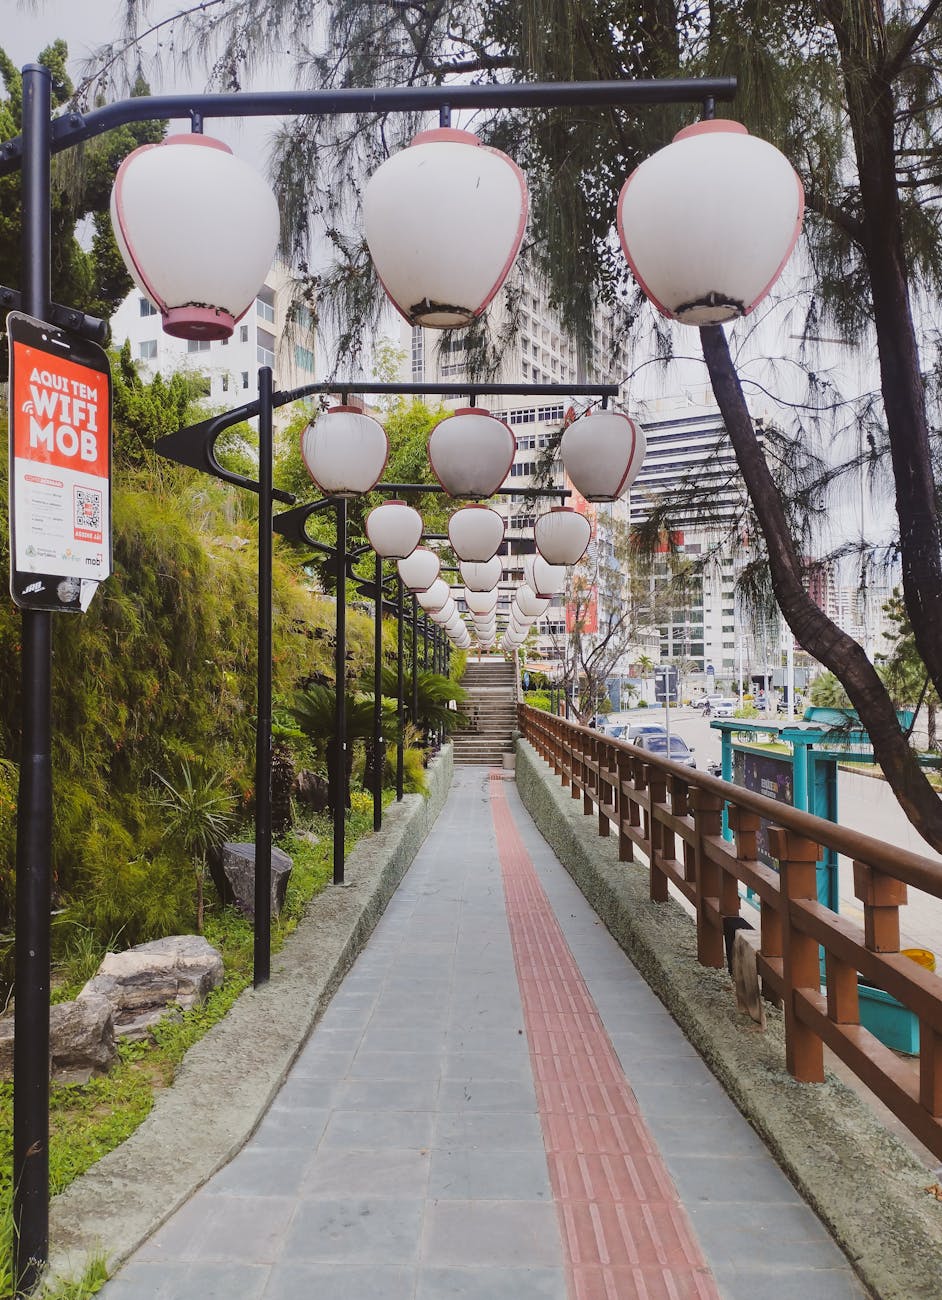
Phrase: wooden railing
(673, 814)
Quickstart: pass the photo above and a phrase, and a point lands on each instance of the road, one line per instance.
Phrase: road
(865, 803)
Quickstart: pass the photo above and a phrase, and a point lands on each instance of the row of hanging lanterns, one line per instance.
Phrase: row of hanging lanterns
(706, 225)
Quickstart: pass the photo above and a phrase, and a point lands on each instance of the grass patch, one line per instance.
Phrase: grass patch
(89, 1120)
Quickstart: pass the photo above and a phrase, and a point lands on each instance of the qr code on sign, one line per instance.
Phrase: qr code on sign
(88, 509)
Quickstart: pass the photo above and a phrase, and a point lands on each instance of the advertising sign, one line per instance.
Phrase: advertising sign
(584, 612)
(60, 466)
(772, 777)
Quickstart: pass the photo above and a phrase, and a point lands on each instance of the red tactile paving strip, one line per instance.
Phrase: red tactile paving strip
(624, 1229)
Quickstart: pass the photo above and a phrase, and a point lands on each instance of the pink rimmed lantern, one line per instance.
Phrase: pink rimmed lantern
(172, 209)
(562, 535)
(436, 597)
(481, 602)
(445, 614)
(476, 533)
(444, 219)
(420, 569)
(345, 451)
(471, 452)
(544, 580)
(529, 603)
(481, 577)
(708, 223)
(602, 454)
(394, 529)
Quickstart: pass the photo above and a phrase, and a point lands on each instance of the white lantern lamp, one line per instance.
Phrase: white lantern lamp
(708, 223)
(435, 597)
(172, 209)
(471, 452)
(476, 533)
(602, 454)
(481, 577)
(345, 451)
(529, 603)
(481, 602)
(444, 220)
(419, 569)
(544, 580)
(394, 529)
(562, 535)
(445, 614)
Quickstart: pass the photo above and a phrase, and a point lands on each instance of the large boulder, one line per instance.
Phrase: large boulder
(81, 1040)
(311, 791)
(142, 983)
(234, 877)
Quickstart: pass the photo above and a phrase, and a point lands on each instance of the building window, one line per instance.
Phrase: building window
(197, 345)
(147, 307)
(245, 379)
(265, 304)
(147, 350)
(418, 355)
(524, 416)
(266, 347)
(243, 333)
(303, 357)
(225, 383)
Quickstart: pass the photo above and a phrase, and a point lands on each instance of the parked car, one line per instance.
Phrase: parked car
(633, 730)
(724, 708)
(703, 700)
(613, 729)
(680, 751)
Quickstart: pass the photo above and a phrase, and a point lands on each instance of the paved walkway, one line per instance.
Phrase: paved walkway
(494, 1107)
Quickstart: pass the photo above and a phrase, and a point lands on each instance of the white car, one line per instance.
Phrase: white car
(724, 708)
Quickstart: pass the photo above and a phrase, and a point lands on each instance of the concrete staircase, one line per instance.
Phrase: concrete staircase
(491, 706)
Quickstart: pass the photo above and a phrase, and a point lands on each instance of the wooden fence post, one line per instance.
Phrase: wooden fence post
(798, 857)
(626, 848)
(657, 789)
(708, 820)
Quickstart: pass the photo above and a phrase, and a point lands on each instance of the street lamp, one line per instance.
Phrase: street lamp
(394, 530)
(471, 452)
(419, 569)
(345, 451)
(476, 533)
(545, 580)
(481, 602)
(198, 266)
(602, 453)
(748, 204)
(562, 535)
(481, 577)
(444, 220)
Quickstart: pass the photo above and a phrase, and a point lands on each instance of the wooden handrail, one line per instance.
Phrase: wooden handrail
(672, 814)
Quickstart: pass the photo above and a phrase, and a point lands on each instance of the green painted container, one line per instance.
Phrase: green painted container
(888, 1019)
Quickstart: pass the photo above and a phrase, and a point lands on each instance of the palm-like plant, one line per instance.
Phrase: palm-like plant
(199, 811)
(314, 711)
(435, 697)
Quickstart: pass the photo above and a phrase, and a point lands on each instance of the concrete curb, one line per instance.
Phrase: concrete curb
(229, 1078)
(867, 1188)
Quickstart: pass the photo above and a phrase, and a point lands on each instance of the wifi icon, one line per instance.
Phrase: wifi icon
(28, 408)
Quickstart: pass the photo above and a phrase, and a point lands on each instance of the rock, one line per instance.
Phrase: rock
(141, 983)
(311, 790)
(236, 866)
(81, 1040)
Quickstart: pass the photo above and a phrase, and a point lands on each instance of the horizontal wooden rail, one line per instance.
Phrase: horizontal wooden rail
(673, 815)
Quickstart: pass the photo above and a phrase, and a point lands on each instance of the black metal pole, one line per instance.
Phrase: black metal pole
(340, 694)
(261, 961)
(379, 753)
(400, 702)
(425, 633)
(34, 810)
(415, 662)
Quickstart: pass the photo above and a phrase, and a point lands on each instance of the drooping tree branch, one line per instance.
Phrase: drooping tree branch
(814, 631)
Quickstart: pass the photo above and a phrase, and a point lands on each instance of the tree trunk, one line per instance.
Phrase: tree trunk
(871, 107)
(200, 902)
(814, 631)
(930, 725)
(282, 780)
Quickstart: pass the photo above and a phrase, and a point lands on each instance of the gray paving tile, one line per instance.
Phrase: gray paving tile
(247, 1229)
(459, 1173)
(726, 1136)
(517, 1233)
(340, 1282)
(790, 1283)
(668, 1071)
(178, 1281)
(299, 1092)
(173, 1238)
(342, 1173)
(486, 1094)
(506, 1065)
(702, 1100)
(491, 1284)
(366, 1130)
(292, 1126)
(270, 1171)
(387, 1094)
(401, 1064)
(356, 1230)
(731, 1180)
(317, 1062)
(489, 1130)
